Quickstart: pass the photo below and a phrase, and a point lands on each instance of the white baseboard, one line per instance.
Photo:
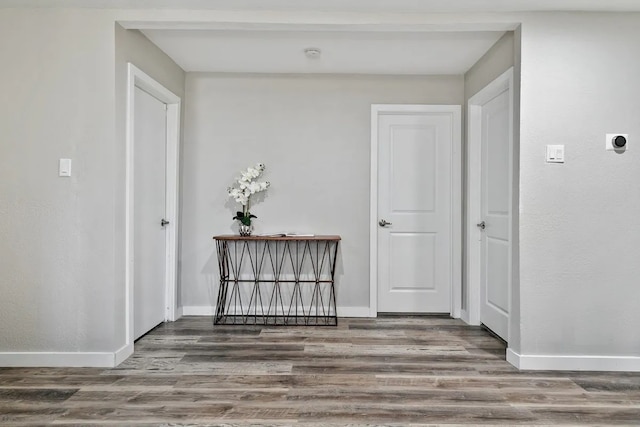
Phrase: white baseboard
(47, 359)
(354, 312)
(198, 310)
(122, 354)
(573, 363)
(207, 310)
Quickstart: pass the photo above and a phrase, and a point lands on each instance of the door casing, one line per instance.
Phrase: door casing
(471, 314)
(456, 200)
(138, 78)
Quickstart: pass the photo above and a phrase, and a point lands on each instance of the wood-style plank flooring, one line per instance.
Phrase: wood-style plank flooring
(386, 371)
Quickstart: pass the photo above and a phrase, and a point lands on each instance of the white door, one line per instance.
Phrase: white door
(496, 180)
(149, 210)
(415, 201)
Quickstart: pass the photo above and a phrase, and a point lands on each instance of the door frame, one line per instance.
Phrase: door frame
(456, 198)
(473, 266)
(138, 78)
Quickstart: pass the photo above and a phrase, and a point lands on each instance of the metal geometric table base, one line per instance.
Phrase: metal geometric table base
(277, 281)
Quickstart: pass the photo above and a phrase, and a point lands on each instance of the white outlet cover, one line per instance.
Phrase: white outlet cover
(609, 141)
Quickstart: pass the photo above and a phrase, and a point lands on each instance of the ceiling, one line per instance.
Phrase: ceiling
(281, 50)
(212, 47)
(341, 52)
(397, 6)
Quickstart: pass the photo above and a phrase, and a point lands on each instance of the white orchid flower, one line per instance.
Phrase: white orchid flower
(255, 187)
(246, 185)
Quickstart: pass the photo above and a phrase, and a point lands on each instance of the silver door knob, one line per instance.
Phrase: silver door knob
(163, 222)
(383, 223)
(482, 225)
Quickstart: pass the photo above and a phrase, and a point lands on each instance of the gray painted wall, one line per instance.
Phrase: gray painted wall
(502, 56)
(62, 251)
(61, 259)
(515, 324)
(579, 232)
(57, 250)
(496, 61)
(313, 133)
(132, 46)
(491, 65)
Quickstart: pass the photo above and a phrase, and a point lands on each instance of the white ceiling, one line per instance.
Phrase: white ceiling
(279, 49)
(342, 52)
(427, 6)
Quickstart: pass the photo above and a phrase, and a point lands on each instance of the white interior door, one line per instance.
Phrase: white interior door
(415, 200)
(150, 137)
(495, 258)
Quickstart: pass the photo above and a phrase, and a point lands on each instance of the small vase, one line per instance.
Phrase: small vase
(245, 230)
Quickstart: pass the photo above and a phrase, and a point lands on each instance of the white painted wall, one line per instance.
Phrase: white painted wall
(313, 133)
(579, 233)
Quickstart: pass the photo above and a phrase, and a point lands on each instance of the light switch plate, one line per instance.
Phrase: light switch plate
(555, 153)
(64, 167)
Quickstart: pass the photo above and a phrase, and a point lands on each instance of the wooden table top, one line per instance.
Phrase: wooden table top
(277, 238)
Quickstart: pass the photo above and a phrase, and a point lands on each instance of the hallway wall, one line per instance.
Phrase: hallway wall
(579, 237)
(57, 251)
(313, 133)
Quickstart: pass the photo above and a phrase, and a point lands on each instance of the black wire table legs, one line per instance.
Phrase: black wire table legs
(277, 280)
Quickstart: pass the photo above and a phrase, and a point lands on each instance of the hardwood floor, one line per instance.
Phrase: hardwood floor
(386, 371)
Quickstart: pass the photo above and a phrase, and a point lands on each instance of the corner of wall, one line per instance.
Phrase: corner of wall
(515, 324)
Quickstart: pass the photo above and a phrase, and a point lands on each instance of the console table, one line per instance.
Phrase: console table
(277, 280)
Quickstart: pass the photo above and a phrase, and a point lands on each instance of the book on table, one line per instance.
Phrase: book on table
(286, 235)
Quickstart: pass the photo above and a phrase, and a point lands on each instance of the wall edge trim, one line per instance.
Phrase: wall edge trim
(122, 354)
(573, 363)
(47, 359)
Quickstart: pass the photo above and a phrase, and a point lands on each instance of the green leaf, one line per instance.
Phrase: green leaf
(244, 218)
